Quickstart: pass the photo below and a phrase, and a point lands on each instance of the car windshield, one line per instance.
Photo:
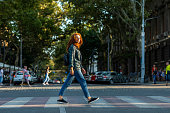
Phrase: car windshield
(106, 74)
(99, 73)
(19, 73)
(113, 74)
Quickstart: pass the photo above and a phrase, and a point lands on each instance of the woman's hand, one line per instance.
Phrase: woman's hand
(71, 71)
(83, 70)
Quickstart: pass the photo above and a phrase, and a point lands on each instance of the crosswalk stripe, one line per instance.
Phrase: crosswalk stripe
(52, 102)
(101, 103)
(36, 102)
(137, 102)
(160, 98)
(62, 110)
(16, 103)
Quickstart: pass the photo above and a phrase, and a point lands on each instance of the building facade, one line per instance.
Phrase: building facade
(157, 43)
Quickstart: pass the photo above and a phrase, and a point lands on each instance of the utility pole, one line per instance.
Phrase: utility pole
(143, 44)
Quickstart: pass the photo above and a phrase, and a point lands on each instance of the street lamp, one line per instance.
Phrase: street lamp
(21, 52)
(143, 44)
(143, 41)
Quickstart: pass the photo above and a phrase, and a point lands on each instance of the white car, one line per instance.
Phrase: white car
(18, 76)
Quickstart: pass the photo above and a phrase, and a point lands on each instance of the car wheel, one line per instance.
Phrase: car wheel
(111, 81)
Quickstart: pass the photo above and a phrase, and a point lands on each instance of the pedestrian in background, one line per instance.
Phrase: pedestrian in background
(11, 76)
(160, 74)
(1, 75)
(75, 67)
(25, 76)
(47, 72)
(154, 73)
(163, 74)
(167, 72)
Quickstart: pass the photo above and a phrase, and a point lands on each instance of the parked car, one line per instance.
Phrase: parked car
(34, 76)
(93, 76)
(106, 76)
(18, 76)
(119, 78)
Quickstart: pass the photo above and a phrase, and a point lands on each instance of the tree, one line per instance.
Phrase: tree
(118, 19)
(36, 22)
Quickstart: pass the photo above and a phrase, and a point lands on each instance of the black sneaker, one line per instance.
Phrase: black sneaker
(92, 100)
(62, 101)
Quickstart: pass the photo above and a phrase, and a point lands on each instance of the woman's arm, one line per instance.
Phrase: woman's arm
(71, 53)
(83, 70)
(71, 71)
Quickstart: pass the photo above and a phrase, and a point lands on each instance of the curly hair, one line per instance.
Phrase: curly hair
(72, 41)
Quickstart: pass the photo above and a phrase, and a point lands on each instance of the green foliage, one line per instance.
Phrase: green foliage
(37, 22)
(118, 19)
(46, 26)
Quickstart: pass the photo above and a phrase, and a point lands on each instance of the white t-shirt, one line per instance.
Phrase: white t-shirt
(47, 72)
(26, 74)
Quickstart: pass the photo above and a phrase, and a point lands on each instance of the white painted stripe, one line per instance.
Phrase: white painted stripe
(52, 102)
(16, 103)
(160, 98)
(62, 110)
(137, 102)
(100, 103)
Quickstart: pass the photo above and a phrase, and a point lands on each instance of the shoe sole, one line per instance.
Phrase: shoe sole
(93, 101)
(61, 102)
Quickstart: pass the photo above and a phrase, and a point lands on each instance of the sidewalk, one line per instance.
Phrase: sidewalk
(162, 83)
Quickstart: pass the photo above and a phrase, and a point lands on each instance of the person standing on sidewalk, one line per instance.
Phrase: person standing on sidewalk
(1, 76)
(11, 76)
(75, 68)
(160, 74)
(47, 72)
(154, 73)
(167, 72)
(25, 76)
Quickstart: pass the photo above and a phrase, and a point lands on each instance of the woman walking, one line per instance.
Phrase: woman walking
(46, 76)
(75, 68)
(25, 76)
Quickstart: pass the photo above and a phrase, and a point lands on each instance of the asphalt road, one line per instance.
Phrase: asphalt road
(134, 98)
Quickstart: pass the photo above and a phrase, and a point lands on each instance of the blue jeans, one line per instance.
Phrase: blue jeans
(46, 79)
(80, 78)
(1, 79)
(154, 78)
